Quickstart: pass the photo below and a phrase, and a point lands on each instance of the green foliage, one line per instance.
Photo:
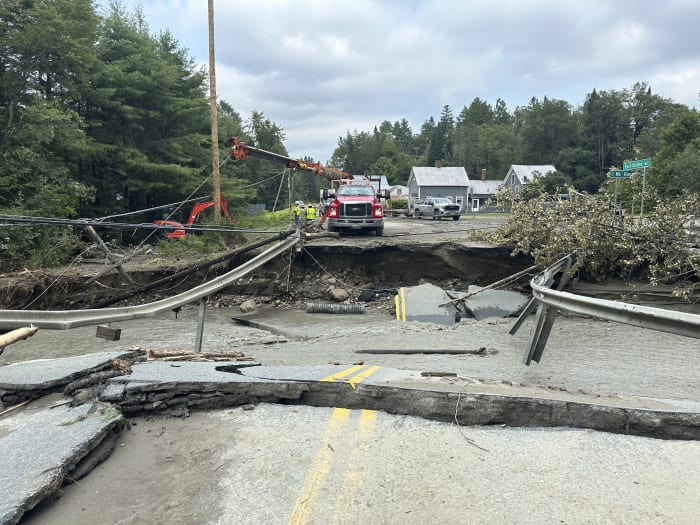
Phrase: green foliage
(280, 220)
(36, 247)
(204, 243)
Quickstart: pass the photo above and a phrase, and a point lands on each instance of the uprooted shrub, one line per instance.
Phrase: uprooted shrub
(661, 246)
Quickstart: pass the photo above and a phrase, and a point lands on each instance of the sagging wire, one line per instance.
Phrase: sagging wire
(124, 225)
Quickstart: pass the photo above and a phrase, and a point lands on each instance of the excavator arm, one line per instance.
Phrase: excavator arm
(240, 151)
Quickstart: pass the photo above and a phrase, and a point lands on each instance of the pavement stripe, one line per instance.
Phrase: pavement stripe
(318, 470)
(362, 376)
(342, 374)
(355, 477)
(402, 291)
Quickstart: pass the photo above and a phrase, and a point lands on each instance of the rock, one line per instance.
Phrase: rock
(248, 306)
(339, 294)
(366, 296)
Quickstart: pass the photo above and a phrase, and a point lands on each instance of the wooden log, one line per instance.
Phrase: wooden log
(16, 335)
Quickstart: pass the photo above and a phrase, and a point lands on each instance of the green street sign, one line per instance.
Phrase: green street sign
(636, 164)
(620, 174)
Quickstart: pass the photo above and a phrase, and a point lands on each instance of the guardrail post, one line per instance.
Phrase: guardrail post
(544, 319)
(200, 324)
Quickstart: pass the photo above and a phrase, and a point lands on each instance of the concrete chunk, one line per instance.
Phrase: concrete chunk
(43, 374)
(493, 303)
(39, 447)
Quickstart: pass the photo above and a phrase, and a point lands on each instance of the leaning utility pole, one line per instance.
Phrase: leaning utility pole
(214, 117)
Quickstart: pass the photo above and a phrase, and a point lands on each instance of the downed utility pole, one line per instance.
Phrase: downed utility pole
(13, 336)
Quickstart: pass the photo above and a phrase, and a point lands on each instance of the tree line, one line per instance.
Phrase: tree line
(98, 117)
(583, 143)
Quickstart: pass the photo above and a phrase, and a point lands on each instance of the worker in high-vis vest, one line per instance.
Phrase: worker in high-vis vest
(311, 213)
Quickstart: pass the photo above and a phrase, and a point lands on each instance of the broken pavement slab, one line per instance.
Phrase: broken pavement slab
(155, 387)
(40, 447)
(33, 379)
(430, 303)
(422, 303)
(484, 303)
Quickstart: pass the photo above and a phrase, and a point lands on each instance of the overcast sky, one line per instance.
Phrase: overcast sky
(322, 68)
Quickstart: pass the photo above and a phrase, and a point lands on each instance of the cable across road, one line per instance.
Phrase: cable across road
(98, 223)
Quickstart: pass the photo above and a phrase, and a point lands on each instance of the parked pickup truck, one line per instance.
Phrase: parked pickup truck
(435, 208)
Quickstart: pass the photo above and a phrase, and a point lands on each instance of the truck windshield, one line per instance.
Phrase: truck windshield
(442, 201)
(356, 190)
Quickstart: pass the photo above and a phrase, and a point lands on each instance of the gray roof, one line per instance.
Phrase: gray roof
(447, 176)
(485, 187)
(526, 172)
(381, 179)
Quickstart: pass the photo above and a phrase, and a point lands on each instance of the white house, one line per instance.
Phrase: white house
(520, 175)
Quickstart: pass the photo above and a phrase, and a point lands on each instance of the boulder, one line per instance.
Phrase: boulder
(339, 294)
(248, 306)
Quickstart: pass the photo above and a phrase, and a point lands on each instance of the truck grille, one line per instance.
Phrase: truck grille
(356, 209)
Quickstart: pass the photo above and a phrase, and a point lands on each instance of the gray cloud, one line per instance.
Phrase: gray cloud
(322, 68)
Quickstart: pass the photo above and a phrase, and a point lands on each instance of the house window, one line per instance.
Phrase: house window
(459, 200)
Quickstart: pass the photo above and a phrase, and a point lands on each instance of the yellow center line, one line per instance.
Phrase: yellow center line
(318, 470)
(362, 376)
(343, 373)
(354, 479)
(403, 303)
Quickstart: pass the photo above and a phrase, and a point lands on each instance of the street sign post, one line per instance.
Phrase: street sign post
(636, 164)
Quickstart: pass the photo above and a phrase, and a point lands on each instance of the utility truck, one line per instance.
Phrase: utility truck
(355, 206)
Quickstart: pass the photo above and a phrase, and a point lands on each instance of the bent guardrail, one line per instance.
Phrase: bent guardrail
(548, 300)
(66, 319)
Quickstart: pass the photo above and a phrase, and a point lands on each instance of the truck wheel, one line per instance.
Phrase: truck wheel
(455, 218)
(379, 231)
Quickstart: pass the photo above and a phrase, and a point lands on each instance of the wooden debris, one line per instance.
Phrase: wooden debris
(15, 407)
(16, 335)
(439, 374)
(405, 351)
(109, 334)
(164, 354)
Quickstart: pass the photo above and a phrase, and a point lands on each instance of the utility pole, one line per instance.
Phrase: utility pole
(214, 117)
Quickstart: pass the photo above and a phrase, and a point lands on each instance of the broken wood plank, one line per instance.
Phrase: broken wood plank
(438, 374)
(109, 334)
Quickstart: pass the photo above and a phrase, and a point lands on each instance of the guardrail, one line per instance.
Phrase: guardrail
(66, 319)
(548, 298)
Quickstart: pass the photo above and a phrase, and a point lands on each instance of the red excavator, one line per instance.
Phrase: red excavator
(176, 230)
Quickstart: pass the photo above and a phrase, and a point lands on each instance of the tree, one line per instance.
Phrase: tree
(547, 127)
(147, 113)
(675, 167)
